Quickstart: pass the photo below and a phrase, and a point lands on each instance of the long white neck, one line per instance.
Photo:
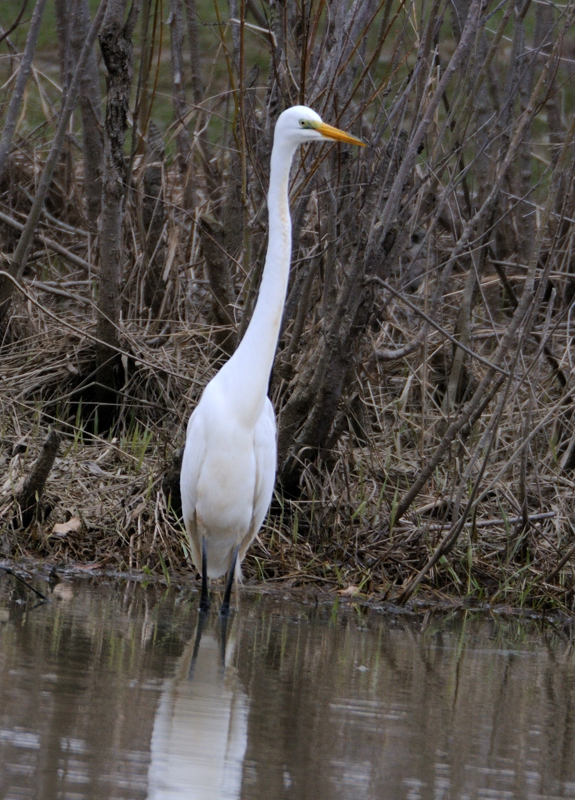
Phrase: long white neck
(248, 371)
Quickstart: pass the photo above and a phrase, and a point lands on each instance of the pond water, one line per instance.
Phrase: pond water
(109, 691)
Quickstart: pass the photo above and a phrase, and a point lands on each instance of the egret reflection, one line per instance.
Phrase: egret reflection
(200, 730)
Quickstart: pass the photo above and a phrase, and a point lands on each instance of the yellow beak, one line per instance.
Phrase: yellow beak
(338, 136)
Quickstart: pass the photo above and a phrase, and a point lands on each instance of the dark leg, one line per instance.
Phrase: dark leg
(225, 609)
(205, 597)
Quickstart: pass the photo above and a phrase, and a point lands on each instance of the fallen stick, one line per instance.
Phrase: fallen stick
(487, 523)
(51, 244)
(561, 563)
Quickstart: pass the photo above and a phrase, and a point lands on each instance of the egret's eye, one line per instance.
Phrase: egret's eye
(302, 123)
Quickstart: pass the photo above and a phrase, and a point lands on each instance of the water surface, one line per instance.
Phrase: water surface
(109, 691)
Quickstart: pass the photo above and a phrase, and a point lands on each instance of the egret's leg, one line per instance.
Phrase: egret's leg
(225, 609)
(205, 596)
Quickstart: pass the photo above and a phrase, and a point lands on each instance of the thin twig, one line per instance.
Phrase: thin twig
(10, 571)
(435, 325)
(52, 245)
(487, 523)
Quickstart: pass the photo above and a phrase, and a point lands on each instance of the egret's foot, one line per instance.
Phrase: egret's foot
(225, 609)
(205, 596)
(204, 604)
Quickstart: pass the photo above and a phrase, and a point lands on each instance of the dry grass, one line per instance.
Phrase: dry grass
(336, 535)
(452, 476)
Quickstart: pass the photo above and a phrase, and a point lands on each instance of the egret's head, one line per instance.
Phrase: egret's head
(300, 124)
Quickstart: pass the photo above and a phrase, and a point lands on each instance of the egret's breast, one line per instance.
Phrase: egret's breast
(226, 487)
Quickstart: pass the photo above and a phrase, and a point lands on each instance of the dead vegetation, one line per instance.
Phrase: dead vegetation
(423, 382)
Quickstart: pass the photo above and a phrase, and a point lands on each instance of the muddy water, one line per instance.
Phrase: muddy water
(108, 691)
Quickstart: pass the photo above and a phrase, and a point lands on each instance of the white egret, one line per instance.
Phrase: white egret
(229, 464)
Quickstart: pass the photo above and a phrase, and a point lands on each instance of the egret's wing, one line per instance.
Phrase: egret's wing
(194, 455)
(265, 450)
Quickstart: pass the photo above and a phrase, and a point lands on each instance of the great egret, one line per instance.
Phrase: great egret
(229, 463)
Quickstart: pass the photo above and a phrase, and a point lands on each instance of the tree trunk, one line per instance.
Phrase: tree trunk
(195, 70)
(179, 93)
(20, 256)
(73, 24)
(18, 93)
(153, 221)
(90, 109)
(116, 45)
(217, 266)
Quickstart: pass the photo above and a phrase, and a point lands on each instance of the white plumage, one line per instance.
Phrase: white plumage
(229, 465)
(230, 471)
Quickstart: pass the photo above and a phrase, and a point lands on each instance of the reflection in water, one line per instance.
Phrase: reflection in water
(201, 726)
(101, 698)
(379, 708)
